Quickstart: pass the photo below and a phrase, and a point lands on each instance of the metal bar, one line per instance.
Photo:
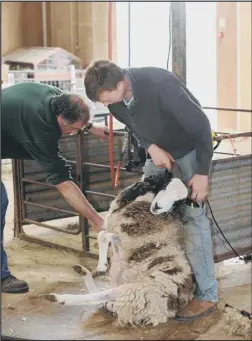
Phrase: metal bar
(232, 154)
(55, 228)
(46, 243)
(179, 40)
(98, 165)
(20, 198)
(101, 194)
(102, 115)
(91, 237)
(83, 222)
(227, 109)
(67, 136)
(50, 208)
(38, 183)
(228, 136)
(22, 191)
(210, 108)
(85, 233)
(17, 217)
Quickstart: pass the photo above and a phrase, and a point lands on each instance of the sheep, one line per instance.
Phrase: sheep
(150, 276)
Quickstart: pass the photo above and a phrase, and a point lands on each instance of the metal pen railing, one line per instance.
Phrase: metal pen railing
(19, 193)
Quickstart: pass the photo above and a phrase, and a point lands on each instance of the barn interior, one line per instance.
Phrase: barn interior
(208, 46)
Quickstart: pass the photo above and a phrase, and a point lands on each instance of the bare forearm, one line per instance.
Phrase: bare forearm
(77, 200)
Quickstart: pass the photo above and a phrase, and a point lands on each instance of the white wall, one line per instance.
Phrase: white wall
(150, 42)
(149, 33)
(201, 54)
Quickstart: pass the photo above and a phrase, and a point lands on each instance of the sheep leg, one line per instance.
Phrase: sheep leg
(104, 238)
(104, 296)
(116, 264)
(88, 279)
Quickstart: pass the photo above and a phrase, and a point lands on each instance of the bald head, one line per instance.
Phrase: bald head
(71, 107)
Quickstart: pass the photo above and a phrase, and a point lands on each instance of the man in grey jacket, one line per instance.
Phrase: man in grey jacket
(171, 125)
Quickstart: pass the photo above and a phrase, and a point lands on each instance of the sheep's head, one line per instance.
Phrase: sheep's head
(140, 190)
(168, 199)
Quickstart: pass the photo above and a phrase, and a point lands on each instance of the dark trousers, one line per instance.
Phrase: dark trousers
(4, 204)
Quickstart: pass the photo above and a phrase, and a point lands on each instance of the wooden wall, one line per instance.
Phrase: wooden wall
(234, 65)
(82, 28)
(12, 24)
(79, 27)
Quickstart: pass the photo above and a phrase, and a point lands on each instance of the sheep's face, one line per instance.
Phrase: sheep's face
(169, 198)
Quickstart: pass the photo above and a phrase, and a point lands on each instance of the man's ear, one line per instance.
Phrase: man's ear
(120, 86)
(61, 121)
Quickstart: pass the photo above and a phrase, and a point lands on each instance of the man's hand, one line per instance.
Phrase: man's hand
(199, 184)
(100, 131)
(160, 157)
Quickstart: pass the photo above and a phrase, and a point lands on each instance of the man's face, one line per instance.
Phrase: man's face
(71, 129)
(114, 96)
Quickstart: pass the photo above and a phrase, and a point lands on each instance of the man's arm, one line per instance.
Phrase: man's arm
(59, 174)
(77, 200)
(174, 99)
(160, 157)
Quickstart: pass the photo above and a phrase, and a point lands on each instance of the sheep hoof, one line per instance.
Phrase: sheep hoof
(80, 270)
(98, 273)
(51, 297)
(54, 298)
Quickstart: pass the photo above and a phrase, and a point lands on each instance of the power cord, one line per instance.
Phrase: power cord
(242, 312)
(246, 258)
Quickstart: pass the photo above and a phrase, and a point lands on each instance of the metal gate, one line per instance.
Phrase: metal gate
(91, 172)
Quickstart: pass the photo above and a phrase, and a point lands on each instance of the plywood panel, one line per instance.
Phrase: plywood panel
(12, 26)
(227, 66)
(32, 24)
(84, 28)
(93, 30)
(61, 18)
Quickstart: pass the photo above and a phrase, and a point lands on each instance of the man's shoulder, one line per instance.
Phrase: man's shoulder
(31, 87)
(149, 73)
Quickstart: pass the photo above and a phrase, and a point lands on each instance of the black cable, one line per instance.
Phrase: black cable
(242, 312)
(170, 36)
(222, 232)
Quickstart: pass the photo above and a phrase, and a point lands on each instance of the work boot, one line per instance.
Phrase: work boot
(12, 285)
(196, 309)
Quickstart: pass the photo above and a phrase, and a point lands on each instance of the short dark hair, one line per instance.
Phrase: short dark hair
(102, 75)
(71, 107)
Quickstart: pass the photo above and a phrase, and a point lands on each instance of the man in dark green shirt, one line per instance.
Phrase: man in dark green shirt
(34, 116)
(171, 125)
